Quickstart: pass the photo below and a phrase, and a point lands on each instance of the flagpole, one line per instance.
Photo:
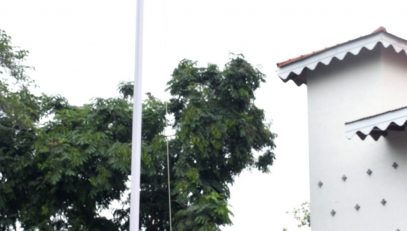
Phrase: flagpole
(136, 132)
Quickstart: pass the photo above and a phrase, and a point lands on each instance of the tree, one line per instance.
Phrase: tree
(218, 129)
(57, 175)
(19, 112)
(83, 155)
(302, 215)
(62, 164)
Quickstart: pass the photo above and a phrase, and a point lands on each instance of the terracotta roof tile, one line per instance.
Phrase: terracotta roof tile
(301, 57)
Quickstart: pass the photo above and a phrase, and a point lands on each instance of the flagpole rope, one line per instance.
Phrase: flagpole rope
(167, 135)
(168, 175)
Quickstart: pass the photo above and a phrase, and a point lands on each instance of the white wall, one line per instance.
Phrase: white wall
(360, 86)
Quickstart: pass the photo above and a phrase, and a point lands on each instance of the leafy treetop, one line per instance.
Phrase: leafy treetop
(60, 164)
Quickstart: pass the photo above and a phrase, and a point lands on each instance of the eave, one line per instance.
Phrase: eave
(294, 69)
(377, 125)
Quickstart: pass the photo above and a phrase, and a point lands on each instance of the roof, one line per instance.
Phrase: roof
(293, 69)
(377, 125)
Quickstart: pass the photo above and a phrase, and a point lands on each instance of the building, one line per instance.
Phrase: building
(357, 98)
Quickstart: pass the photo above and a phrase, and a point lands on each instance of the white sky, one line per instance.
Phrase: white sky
(83, 49)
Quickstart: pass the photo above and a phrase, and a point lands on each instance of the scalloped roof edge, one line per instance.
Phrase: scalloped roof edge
(377, 125)
(292, 69)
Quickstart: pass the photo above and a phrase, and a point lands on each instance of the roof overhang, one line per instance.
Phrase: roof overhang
(293, 69)
(377, 125)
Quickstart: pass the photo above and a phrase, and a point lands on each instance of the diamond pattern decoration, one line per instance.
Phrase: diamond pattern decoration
(395, 165)
(344, 178)
(357, 207)
(320, 184)
(383, 202)
(333, 212)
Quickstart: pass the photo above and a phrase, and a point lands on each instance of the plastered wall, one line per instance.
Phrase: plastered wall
(355, 184)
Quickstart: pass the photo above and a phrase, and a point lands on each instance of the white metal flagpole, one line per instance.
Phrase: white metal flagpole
(136, 132)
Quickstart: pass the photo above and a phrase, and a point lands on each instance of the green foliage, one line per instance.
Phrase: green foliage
(83, 154)
(302, 215)
(19, 111)
(218, 129)
(11, 58)
(60, 164)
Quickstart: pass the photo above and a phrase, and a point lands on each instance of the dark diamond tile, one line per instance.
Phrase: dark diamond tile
(395, 165)
(320, 184)
(344, 178)
(383, 202)
(333, 212)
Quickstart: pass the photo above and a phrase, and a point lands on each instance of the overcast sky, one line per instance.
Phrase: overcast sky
(82, 49)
